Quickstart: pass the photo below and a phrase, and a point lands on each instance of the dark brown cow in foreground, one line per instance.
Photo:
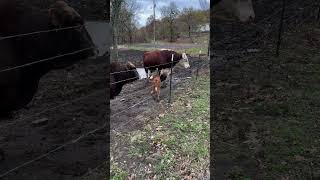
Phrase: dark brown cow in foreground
(18, 86)
(161, 59)
(120, 75)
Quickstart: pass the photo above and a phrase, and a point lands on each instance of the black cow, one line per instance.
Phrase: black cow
(18, 86)
(120, 75)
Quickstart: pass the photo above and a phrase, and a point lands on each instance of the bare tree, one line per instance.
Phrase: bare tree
(115, 12)
(188, 18)
(170, 13)
(205, 5)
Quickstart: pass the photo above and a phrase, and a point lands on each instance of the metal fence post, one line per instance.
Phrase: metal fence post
(171, 78)
(197, 72)
(280, 27)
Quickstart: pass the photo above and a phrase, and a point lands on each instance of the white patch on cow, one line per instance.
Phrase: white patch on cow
(131, 64)
(185, 61)
(166, 49)
(156, 88)
(142, 73)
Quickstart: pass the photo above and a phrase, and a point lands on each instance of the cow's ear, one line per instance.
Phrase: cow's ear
(130, 65)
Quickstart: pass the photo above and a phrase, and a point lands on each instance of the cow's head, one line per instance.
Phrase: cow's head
(184, 62)
(74, 39)
(132, 72)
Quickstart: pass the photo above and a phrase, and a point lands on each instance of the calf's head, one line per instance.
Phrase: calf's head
(73, 38)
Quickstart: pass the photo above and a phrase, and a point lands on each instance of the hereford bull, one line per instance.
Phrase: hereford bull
(162, 59)
(120, 75)
(18, 86)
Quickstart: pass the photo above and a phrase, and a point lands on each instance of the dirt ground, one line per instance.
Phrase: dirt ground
(124, 120)
(82, 84)
(141, 91)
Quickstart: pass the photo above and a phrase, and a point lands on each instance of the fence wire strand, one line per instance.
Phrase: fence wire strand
(42, 31)
(54, 150)
(52, 108)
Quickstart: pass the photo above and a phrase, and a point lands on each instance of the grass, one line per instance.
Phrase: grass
(173, 144)
(279, 121)
(118, 173)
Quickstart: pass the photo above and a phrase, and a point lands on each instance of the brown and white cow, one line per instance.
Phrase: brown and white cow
(121, 74)
(161, 59)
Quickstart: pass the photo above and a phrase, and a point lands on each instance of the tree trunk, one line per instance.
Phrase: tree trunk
(171, 31)
(115, 22)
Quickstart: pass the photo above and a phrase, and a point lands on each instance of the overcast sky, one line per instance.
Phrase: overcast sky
(146, 8)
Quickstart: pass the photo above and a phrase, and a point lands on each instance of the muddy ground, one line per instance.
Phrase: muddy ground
(83, 84)
(133, 93)
(124, 120)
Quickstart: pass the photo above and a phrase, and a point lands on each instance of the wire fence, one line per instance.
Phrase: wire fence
(262, 23)
(46, 110)
(283, 20)
(269, 46)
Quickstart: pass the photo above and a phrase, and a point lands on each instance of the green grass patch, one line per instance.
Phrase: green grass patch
(117, 173)
(182, 139)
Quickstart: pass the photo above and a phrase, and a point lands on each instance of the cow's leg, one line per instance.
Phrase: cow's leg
(158, 93)
(147, 79)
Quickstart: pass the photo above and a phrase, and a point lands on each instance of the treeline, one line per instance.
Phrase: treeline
(171, 25)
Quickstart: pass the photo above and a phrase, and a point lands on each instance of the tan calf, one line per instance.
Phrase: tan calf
(155, 86)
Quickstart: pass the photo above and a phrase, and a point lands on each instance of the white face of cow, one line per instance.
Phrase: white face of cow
(185, 61)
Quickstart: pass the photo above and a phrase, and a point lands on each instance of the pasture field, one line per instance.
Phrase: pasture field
(267, 124)
(172, 141)
(131, 130)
